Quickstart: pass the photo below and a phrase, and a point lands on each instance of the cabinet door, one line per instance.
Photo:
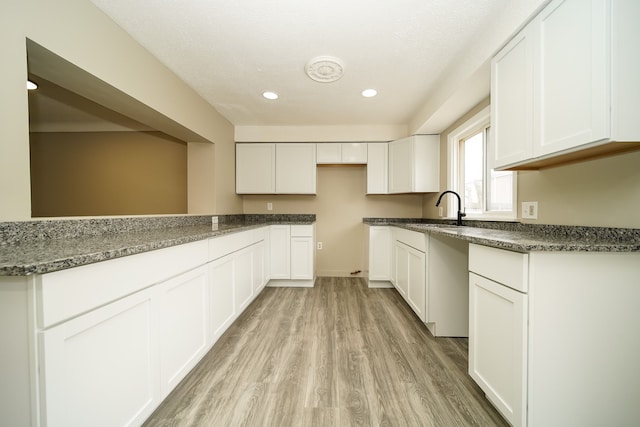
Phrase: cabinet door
(417, 282)
(101, 369)
(184, 325)
(280, 251)
(378, 168)
(572, 74)
(302, 252)
(400, 170)
(380, 249)
(222, 277)
(329, 152)
(296, 168)
(512, 101)
(255, 168)
(498, 345)
(259, 277)
(354, 152)
(243, 279)
(401, 259)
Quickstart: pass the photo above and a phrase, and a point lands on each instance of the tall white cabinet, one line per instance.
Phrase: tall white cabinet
(566, 84)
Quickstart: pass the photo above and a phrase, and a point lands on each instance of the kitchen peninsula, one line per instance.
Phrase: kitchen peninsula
(551, 310)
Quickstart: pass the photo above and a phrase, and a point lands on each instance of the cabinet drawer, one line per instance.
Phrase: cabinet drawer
(411, 238)
(502, 266)
(224, 245)
(67, 293)
(302, 231)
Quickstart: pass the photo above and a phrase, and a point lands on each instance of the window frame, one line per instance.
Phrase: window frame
(476, 123)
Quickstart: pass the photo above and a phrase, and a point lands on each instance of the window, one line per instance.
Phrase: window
(486, 193)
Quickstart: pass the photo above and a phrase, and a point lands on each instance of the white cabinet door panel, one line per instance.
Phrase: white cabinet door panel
(296, 168)
(574, 91)
(401, 259)
(222, 277)
(243, 280)
(302, 252)
(512, 102)
(185, 325)
(378, 168)
(498, 345)
(380, 253)
(280, 251)
(255, 168)
(100, 369)
(417, 285)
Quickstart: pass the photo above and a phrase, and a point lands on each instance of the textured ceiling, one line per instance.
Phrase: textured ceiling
(232, 51)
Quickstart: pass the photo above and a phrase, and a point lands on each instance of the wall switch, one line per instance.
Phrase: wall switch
(529, 210)
(269, 206)
(319, 246)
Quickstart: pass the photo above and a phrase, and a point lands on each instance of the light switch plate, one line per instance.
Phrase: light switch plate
(529, 210)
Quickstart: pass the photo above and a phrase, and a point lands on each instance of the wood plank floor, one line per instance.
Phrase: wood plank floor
(338, 354)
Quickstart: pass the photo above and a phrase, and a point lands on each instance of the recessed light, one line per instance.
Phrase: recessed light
(368, 93)
(31, 85)
(270, 95)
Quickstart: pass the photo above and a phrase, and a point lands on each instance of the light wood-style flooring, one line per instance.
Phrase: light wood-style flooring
(338, 354)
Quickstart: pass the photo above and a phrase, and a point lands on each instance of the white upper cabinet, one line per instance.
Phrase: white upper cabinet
(414, 164)
(566, 84)
(255, 168)
(296, 168)
(341, 152)
(571, 73)
(378, 168)
(512, 101)
(265, 168)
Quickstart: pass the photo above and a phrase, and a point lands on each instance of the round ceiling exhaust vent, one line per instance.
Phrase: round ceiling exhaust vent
(324, 69)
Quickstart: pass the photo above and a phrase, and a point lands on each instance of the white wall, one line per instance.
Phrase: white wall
(81, 34)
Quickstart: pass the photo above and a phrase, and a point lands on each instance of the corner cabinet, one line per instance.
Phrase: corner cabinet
(414, 164)
(550, 107)
(267, 168)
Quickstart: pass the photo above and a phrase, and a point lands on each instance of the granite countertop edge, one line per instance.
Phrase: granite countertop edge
(526, 237)
(46, 255)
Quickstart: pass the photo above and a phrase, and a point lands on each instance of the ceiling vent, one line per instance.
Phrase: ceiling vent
(324, 69)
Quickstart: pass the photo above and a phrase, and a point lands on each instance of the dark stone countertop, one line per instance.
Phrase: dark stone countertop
(525, 237)
(38, 247)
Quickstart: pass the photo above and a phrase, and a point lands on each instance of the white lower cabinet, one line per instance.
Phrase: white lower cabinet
(498, 345)
(101, 368)
(411, 277)
(223, 311)
(184, 325)
(552, 337)
(292, 255)
(109, 359)
(380, 244)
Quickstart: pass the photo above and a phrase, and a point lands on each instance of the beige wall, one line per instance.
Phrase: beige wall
(78, 32)
(603, 192)
(107, 173)
(340, 205)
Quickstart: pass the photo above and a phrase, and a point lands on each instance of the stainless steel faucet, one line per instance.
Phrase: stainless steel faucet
(460, 213)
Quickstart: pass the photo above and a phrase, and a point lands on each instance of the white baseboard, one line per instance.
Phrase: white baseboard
(380, 284)
(283, 283)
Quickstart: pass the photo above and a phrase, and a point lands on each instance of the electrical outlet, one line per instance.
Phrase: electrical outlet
(319, 246)
(440, 211)
(269, 206)
(529, 210)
